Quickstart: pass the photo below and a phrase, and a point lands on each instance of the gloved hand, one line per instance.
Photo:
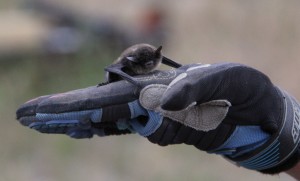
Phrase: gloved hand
(260, 130)
(109, 109)
(254, 131)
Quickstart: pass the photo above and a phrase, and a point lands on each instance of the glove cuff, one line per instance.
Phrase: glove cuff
(279, 152)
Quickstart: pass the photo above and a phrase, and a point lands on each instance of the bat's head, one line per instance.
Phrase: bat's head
(142, 58)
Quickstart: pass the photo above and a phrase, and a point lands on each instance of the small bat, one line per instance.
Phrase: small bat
(135, 60)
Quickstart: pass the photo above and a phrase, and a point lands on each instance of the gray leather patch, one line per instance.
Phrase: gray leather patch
(204, 117)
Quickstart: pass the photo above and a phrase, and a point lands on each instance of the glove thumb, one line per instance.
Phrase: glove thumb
(178, 95)
(195, 86)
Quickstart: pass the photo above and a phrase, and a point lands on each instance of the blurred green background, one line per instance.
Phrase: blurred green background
(37, 57)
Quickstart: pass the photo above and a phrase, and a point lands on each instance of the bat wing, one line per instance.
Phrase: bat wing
(115, 72)
(170, 62)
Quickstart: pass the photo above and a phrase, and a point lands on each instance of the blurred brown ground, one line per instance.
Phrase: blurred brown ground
(262, 34)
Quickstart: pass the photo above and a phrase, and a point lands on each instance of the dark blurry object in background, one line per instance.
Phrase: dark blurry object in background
(150, 28)
(65, 35)
(70, 31)
(63, 40)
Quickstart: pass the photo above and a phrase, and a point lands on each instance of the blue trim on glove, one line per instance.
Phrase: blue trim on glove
(94, 115)
(53, 125)
(243, 140)
(78, 126)
(153, 123)
(136, 109)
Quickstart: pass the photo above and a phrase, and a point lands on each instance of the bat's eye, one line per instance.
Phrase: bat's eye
(149, 64)
(132, 59)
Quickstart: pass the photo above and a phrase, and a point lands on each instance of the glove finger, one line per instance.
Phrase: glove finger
(95, 97)
(88, 98)
(77, 129)
(62, 123)
(58, 126)
(27, 117)
(169, 133)
(80, 134)
(81, 99)
(97, 129)
(108, 118)
(28, 109)
(75, 124)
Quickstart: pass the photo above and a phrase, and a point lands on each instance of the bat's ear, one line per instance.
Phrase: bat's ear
(158, 51)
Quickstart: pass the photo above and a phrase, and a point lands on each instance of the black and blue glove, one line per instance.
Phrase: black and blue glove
(228, 109)
(260, 130)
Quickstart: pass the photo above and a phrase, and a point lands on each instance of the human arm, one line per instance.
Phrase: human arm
(294, 171)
